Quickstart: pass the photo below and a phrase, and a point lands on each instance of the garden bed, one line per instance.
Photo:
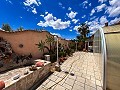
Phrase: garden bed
(24, 82)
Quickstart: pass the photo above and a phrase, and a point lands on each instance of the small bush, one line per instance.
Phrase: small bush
(62, 54)
(53, 58)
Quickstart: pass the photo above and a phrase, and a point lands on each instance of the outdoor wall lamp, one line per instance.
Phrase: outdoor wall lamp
(58, 65)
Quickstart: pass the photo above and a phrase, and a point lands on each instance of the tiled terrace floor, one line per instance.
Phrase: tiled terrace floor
(86, 75)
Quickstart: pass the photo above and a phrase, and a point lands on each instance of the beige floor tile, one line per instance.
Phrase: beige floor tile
(79, 83)
(53, 77)
(93, 78)
(67, 86)
(72, 77)
(55, 73)
(90, 83)
(41, 88)
(61, 82)
(89, 88)
(78, 73)
(99, 88)
(69, 81)
(45, 82)
(77, 87)
(51, 83)
(61, 74)
(59, 87)
(86, 70)
(58, 79)
(98, 82)
(80, 79)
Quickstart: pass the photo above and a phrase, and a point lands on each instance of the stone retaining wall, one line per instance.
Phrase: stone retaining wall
(27, 81)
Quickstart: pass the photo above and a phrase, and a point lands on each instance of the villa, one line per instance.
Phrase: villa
(97, 70)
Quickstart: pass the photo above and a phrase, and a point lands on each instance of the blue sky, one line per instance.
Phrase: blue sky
(59, 17)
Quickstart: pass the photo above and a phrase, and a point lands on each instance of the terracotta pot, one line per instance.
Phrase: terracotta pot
(2, 85)
(39, 64)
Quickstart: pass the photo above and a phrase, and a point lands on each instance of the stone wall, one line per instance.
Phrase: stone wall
(27, 82)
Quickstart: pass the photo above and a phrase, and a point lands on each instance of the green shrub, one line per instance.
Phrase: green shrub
(53, 58)
(62, 53)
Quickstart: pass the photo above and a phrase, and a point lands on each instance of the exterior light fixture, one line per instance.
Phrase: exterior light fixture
(58, 65)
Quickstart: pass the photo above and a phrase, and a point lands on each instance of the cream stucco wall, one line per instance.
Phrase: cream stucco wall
(28, 38)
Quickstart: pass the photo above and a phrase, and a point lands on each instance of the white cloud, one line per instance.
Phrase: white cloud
(92, 12)
(34, 11)
(21, 17)
(70, 30)
(89, 4)
(57, 34)
(77, 32)
(94, 24)
(89, 23)
(75, 20)
(72, 14)
(69, 8)
(85, 2)
(53, 22)
(101, 1)
(103, 20)
(42, 15)
(9, 1)
(46, 12)
(49, 17)
(76, 28)
(30, 2)
(116, 20)
(92, 17)
(83, 16)
(114, 2)
(61, 5)
(100, 8)
(85, 7)
(114, 9)
(30, 5)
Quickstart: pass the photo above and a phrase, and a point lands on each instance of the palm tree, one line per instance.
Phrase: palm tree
(50, 41)
(41, 46)
(6, 27)
(20, 28)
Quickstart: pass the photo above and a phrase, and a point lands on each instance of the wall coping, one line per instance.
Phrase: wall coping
(41, 31)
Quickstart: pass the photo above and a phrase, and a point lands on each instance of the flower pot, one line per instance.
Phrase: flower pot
(2, 85)
(39, 64)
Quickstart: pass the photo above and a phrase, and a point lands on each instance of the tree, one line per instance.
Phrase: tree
(20, 28)
(41, 46)
(6, 27)
(83, 29)
(50, 41)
